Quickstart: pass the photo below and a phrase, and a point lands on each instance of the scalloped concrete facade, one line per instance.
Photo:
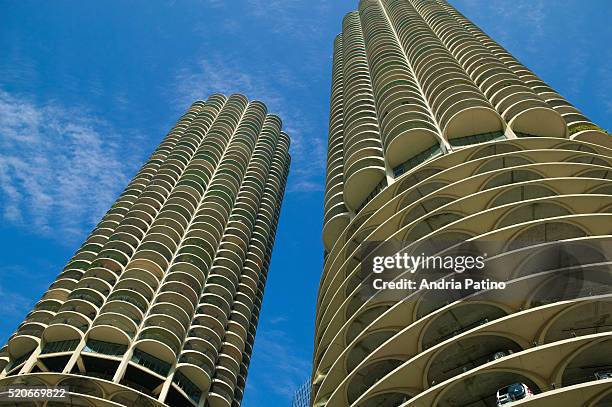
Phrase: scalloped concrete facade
(160, 304)
(437, 132)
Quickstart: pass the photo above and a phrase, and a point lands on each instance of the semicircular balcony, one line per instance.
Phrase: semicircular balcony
(203, 339)
(153, 252)
(198, 257)
(157, 241)
(63, 283)
(209, 219)
(230, 358)
(134, 225)
(214, 323)
(71, 328)
(130, 297)
(134, 283)
(58, 294)
(467, 118)
(408, 139)
(361, 179)
(167, 322)
(48, 305)
(529, 118)
(70, 318)
(41, 317)
(173, 310)
(189, 269)
(80, 306)
(110, 260)
(147, 282)
(99, 285)
(113, 327)
(237, 235)
(160, 342)
(241, 319)
(337, 219)
(219, 302)
(171, 297)
(230, 259)
(148, 263)
(227, 273)
(220, 394)
(235, 339)
(89, 295)
(193, 282)
(169, 227)
(220, 286)
(195, 370)
(71, 274)
(179, 288)
(31, 329)
(128, 234)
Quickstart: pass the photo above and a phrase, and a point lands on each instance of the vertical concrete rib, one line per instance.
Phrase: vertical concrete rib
(335, 213)
(407, 123)
(364, 166)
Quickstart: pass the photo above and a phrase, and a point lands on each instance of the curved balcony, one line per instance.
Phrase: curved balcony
(99, 285)
(594, 136)
(134, 283)
(204, 340)
(89, 295)
(130, 297)
(216, 323)
(175, 298)
(524, 118)
(195, 371)
(159, 342)
(220, 395)
(148, 281)
(180, 288)
(360, 180)
(147, 264)
(216, 301)
(167, 322)
(114, 328)
(471, 119)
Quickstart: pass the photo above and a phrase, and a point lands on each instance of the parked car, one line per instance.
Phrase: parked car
(603, 374)
(514, 392)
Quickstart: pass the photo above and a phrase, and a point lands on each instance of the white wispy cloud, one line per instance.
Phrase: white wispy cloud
(288, 17)
(60, 168)
(285, 369)
(507, 16)
(13, 304)
(221, 75)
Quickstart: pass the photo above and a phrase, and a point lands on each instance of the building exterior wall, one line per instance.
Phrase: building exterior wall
(438, 132)
(160, 304)
(301, 398)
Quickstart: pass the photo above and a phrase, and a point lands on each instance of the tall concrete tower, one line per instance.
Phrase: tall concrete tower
(160, 304)
(437, 133)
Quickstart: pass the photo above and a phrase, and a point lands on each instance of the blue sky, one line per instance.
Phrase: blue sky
(88, 90)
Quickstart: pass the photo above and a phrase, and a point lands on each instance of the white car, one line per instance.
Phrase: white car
(512, 393)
